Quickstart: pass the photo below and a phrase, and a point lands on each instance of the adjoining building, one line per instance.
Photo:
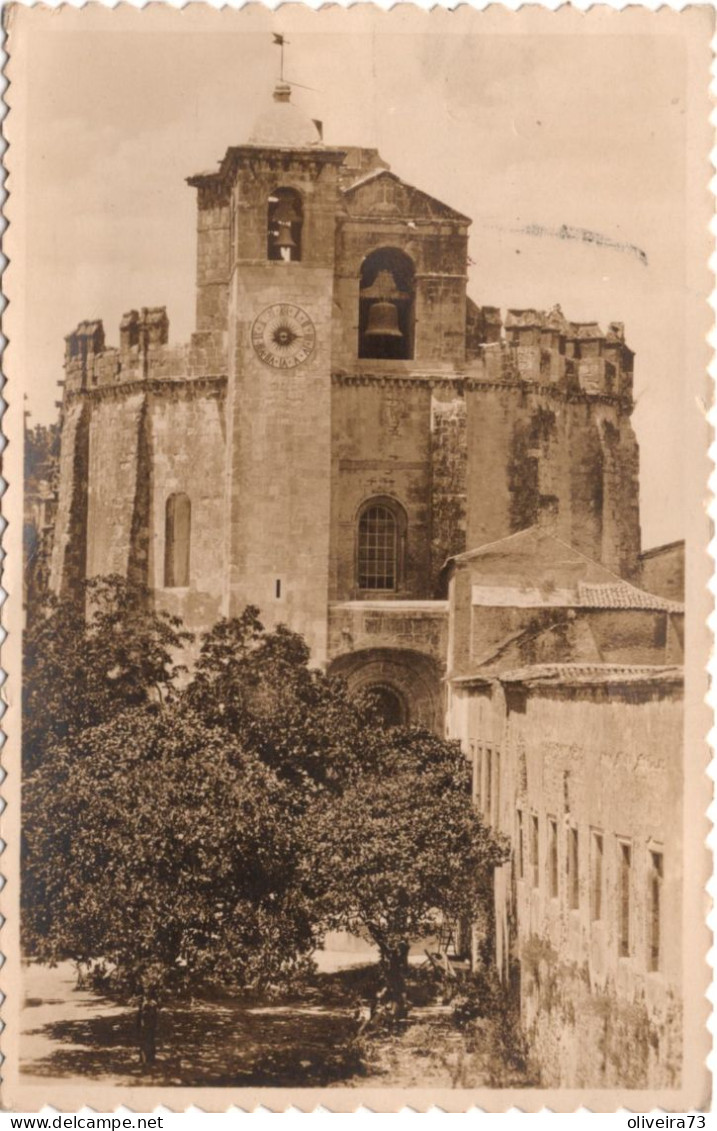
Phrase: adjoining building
(566, 692)
(344, 421)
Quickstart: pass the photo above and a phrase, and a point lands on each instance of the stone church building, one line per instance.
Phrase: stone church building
(443, 502)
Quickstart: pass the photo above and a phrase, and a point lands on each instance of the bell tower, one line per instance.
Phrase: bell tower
(280, 193)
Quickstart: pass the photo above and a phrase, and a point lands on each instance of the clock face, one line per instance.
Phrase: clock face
(283, 336)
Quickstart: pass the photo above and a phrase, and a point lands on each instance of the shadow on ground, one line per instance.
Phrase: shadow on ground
(307, 1042)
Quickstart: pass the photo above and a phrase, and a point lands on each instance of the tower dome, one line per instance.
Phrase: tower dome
(283, 125)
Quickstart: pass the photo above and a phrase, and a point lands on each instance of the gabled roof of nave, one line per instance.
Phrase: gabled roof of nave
(546, 570)
(407, 199)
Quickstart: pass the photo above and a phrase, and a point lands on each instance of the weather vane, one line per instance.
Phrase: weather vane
(280, 41)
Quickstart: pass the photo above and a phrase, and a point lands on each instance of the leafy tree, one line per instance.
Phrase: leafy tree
(91, 655)
(402, 849)
(157, 846)
(300, 722)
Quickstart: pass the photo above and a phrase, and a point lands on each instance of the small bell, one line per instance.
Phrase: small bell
(283, 239)
(383, 321)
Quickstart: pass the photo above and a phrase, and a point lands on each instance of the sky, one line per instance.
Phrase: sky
(527, 134)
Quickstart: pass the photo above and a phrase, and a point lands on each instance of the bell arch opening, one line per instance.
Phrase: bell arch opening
(285, 222)
(386, 305)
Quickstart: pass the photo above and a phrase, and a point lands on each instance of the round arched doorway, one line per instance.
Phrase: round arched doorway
(390, 704)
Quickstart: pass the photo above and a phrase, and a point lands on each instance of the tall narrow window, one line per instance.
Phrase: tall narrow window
(573, 870)
(534, 849)
(488, 806)
(596, 854)
(379, 546)
(654, 910)
(177, 537)
(477, 772)
(285, 223)
(624, 890)
(496, 787)
(553, 857)
(519, 845)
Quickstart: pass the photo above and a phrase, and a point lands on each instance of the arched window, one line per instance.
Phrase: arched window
(381, 533)
(389, 705)
(285, 220)
(177, 537)
(386, 305)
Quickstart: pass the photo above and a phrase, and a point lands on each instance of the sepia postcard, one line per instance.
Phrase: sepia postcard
(356, 558)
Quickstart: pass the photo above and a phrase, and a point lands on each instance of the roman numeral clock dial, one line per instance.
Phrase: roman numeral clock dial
(283, 336)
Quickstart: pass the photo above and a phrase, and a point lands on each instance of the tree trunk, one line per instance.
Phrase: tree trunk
(394, 968)
(147, 1030)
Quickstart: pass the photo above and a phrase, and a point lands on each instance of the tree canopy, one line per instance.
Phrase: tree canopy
(88, 656)
(402, 850)
(155, 841)
(213, 833)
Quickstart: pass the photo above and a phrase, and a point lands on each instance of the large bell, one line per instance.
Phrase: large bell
(283, 239)
(383, 321)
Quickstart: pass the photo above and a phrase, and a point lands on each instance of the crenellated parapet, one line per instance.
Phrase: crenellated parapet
(544, 348)
(144, 353)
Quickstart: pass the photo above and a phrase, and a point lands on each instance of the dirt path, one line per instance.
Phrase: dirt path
(70, 1036)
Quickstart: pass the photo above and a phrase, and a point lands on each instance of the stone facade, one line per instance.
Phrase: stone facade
(445, 504)
(581, 765)
(468, 432)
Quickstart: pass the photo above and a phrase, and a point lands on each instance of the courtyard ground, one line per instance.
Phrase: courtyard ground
(71, 1035)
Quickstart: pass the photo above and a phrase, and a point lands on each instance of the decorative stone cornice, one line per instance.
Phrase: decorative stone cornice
(215, 384)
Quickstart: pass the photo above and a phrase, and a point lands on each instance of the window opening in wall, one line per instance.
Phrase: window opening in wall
(177, 537)
(285, 223)
(625, 881)
(488, 807)
(519, 844)
(278, 588)
(378, 548)
(553, 857)
(596, 872)
(573, 869)
(386, 305)
(654, 909)
(534, 849)
(476, 755)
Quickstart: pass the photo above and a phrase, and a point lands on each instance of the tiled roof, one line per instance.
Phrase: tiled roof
(622, 595)
(591, 674)
(588, 675)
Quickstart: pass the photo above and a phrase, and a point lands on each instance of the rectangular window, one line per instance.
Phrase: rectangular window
(553, 857)
(478, 775)
(624, 890)
(573, 870)
(654, 910)
(534, 850)
(488, 800)
(519, 843)
(596, 873)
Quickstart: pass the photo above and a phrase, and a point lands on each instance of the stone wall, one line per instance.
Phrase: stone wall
(381, 447)
(662, 571)
(597, 756)
(194, 468)
(448, 486)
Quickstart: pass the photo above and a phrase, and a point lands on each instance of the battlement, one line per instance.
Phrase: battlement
(543, 347)
(144, 353)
